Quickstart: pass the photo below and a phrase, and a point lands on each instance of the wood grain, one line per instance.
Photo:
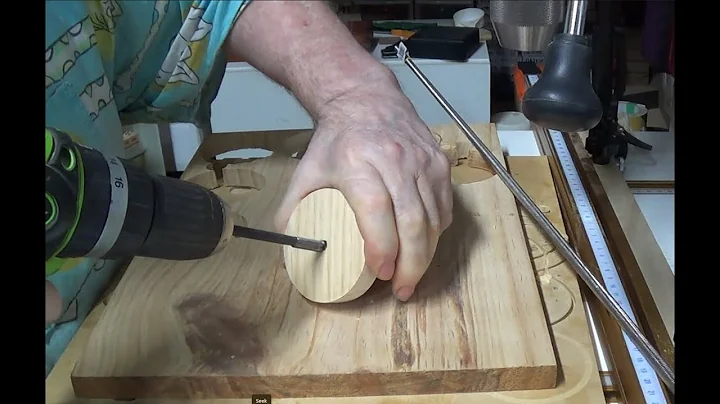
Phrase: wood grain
(656, 272)
(339, 273)
(579, 382)
(232, 325)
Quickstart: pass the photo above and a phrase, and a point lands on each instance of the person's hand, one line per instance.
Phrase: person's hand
(371, 145)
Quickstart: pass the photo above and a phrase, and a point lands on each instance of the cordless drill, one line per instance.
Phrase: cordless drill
(99, 206)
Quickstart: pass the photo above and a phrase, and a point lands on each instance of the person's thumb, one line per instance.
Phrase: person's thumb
(305, 180)
(373, 207)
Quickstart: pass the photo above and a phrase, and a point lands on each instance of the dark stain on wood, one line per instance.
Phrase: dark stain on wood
(402, 350)
(217, 336)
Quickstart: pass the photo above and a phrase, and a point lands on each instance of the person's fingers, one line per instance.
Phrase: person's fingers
(413, 228)
(53, 303)
(434, 216)
(445, 205)
(369, 199)
(438, 180)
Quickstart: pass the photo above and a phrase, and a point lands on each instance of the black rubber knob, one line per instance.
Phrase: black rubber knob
(563, 98)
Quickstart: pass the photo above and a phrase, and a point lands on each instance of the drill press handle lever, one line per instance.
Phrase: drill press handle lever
(563, 98)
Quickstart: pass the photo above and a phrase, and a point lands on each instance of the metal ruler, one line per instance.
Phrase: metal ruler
(649, 382)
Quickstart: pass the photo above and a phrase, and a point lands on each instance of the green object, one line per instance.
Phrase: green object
(53, 265)
(68, 160)
(49, 145)
(404, 25)
(50, 215)
(64, 161)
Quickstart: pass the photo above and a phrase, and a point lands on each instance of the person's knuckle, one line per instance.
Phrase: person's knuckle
(435, 224)
(441, 165)
(393, 150)
(351, 157)
(422, 158)
(377, 200)
(413, 220)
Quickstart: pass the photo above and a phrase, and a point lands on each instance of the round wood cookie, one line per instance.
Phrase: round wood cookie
(337, 274)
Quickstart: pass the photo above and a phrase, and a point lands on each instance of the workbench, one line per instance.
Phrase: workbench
(524, 158)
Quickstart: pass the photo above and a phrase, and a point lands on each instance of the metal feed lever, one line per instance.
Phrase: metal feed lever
(563, 98)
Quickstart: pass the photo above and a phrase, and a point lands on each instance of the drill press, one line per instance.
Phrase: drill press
(577, 91)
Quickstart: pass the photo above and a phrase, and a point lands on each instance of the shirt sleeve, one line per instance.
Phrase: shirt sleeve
(186, 75)
(114, 62)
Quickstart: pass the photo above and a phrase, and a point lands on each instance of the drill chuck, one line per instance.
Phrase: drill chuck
(103, 207)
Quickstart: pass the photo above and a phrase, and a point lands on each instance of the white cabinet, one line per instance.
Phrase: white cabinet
(247, 100)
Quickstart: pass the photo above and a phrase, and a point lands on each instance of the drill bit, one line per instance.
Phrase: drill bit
(279, 238)
(656, 361)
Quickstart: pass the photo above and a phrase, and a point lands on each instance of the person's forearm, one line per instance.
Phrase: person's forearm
(303, 46)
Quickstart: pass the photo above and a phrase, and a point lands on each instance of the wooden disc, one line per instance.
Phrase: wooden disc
(337, 274)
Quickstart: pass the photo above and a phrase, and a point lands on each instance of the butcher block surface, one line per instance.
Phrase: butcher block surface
(232, 325)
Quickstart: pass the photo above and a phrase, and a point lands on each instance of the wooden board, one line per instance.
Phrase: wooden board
(656, 271)
(232, 325)
(579, 382)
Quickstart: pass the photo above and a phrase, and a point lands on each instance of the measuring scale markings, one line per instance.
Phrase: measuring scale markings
(649, 382)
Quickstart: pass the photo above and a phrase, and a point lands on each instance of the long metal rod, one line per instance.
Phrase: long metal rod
(575, 17)
(653, 357)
